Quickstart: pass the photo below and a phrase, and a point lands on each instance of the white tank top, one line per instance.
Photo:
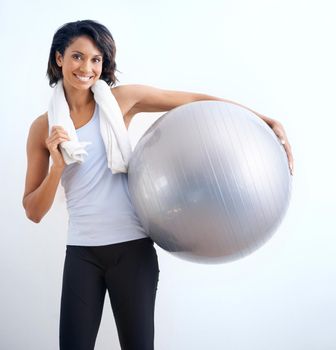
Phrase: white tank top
(98, 202)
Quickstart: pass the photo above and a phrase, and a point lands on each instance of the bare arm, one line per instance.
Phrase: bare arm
(41, 186)
(142, 98)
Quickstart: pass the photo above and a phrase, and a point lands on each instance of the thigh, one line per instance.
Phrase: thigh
(132, 286)
(82, 300)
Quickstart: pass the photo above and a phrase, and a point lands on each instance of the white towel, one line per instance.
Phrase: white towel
(112, 127)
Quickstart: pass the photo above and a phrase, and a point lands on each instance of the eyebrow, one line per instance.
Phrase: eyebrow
(84, 54)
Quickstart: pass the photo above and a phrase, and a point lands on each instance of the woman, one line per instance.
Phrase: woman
(107, 247)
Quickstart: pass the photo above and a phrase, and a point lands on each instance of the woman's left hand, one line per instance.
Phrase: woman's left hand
(279, 131)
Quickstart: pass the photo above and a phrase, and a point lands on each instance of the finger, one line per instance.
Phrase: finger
(57, 127)
(284, 141)
(289, 156)
(280, 133)
(56, 140)
(57, 134)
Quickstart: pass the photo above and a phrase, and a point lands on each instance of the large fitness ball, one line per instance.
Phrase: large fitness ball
(209, 181)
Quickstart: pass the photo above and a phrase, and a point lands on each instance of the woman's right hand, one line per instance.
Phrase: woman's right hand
(57, 136)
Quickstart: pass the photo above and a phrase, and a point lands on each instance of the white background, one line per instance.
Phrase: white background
(276, 57)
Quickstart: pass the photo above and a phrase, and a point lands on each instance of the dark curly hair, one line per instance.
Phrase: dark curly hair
(103, 39)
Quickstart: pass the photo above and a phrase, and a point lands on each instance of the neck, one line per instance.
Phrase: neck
(77, 99)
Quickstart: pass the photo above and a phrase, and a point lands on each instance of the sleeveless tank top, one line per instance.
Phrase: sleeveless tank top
(98, 202)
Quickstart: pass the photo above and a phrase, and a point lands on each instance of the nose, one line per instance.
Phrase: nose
(85, 66)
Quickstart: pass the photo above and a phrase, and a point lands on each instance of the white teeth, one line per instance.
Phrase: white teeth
(83, 78)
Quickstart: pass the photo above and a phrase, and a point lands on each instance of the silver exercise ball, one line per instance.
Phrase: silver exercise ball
(209, 181)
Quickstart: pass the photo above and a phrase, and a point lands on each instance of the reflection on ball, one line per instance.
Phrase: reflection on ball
(209, 181)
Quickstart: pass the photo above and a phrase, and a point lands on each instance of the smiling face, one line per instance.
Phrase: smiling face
(81, 63)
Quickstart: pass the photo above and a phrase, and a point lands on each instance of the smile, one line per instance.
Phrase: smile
(83, 77)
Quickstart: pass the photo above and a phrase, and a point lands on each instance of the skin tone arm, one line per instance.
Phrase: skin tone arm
(141, 98)
(41, 186)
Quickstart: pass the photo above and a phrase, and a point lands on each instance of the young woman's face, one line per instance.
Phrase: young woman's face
(81, 64)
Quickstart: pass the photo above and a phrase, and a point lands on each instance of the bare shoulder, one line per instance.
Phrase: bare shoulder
(125, 91)
(39, 130)
(126, 96)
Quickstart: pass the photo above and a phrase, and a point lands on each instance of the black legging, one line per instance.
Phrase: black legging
(130, 272)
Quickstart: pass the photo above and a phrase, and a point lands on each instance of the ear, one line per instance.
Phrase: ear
(58, 58)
